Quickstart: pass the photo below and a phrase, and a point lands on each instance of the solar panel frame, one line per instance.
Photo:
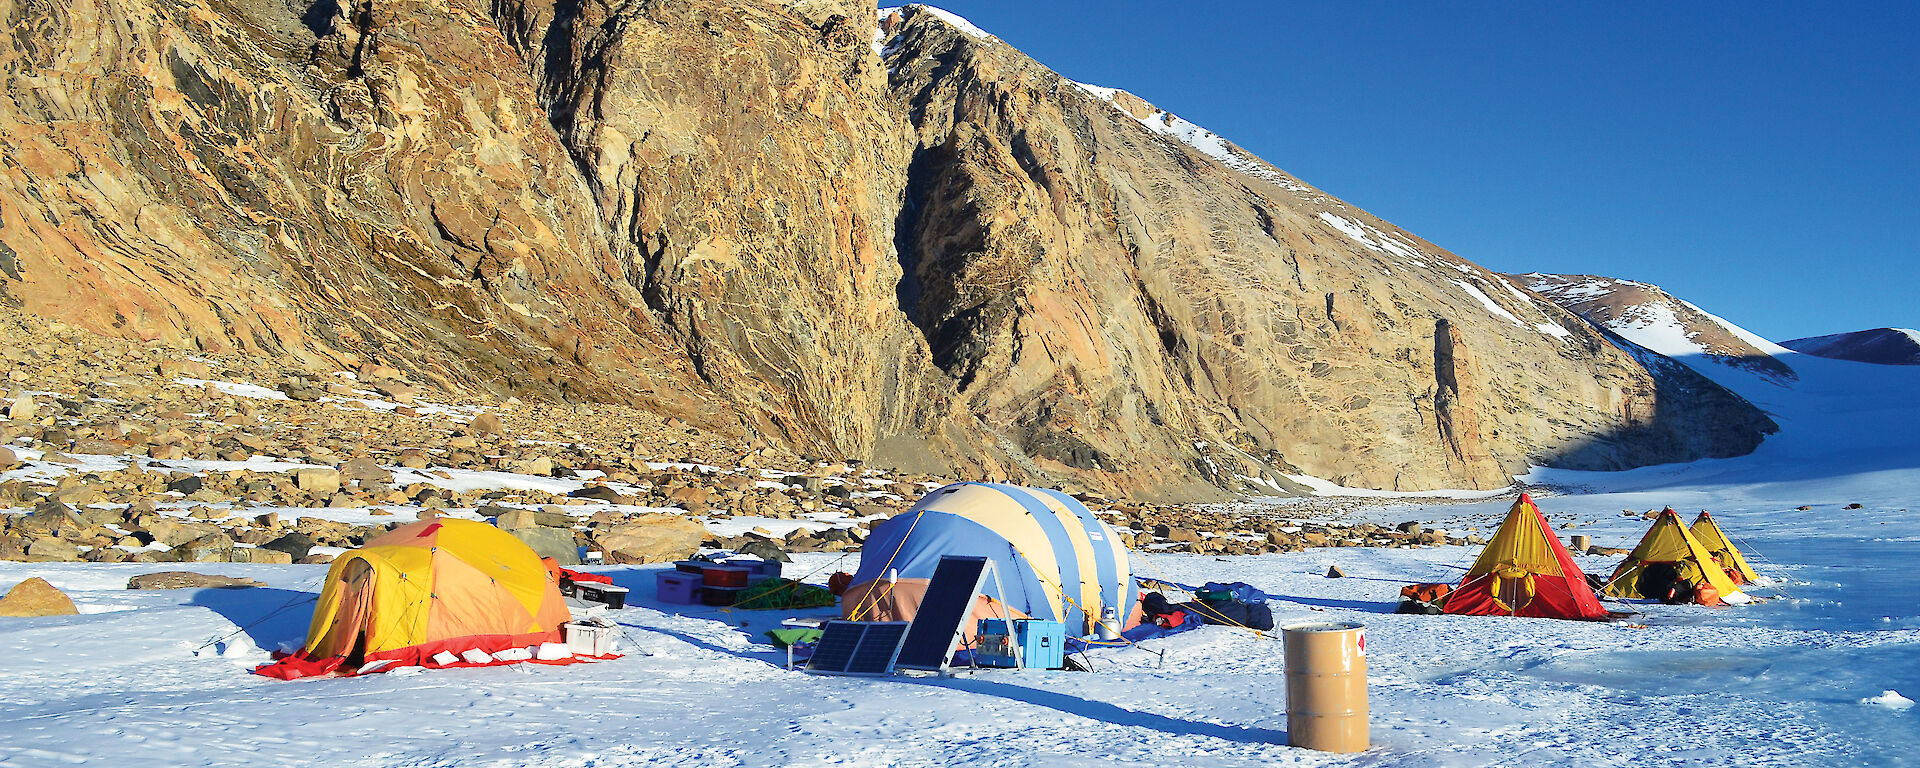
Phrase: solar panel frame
(857, 648)
(943, 611)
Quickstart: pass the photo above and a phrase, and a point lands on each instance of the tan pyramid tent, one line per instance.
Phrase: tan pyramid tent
(1669, 554)
(1715, 541)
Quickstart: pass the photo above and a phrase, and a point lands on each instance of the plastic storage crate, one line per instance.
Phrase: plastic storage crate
(678, 588)
(1042, 644)
(590, 637)
(604, 594)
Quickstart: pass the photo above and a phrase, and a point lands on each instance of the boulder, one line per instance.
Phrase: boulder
(1409, 527)
(413, 458)
(22, 409)
(107, 555)
(296, 545)
(7, 459)
(36, 597)
(188, 580)
(765, 550)
(651, 539)
(214, 548)
(365, 470)
(261, 555)
(557, 543)
(509, 518)
(485, 424)
(317, 480)
(302, 391)
(603, 493)
(52, 550)
(1334, 572)
(186, 486)
(174, 533)
(49, 518)
(319, 559)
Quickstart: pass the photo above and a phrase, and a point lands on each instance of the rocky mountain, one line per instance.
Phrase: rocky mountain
(1659, 321)
(862, 234)
(1884, 346)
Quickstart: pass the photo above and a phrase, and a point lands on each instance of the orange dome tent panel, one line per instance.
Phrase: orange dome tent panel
(420, 589)
(1524, 571)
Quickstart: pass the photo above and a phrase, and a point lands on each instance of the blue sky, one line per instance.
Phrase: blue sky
(1761, 160)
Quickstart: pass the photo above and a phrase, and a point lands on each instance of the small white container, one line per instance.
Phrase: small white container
(590, 637)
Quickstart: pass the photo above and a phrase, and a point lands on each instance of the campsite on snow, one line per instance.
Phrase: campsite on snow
(1732, 632)
(731, 383)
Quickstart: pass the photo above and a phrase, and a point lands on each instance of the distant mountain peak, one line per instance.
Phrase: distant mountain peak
(1882, 346)
(1649, 316)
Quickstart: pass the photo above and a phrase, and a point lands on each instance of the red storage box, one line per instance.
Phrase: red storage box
(761, 569)
(678, 588)
(730, 576)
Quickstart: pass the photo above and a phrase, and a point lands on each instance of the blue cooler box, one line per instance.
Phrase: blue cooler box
(1042, 643)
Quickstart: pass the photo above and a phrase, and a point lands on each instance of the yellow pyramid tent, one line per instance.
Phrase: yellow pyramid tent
(1524, 571)
(1668, 555)
(1715, 541)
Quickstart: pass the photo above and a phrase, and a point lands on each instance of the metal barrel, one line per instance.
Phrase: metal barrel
(1581, 543)
(1326, 686)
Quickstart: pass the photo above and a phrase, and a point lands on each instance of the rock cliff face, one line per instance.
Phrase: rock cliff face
(870, 235)
(330, 184)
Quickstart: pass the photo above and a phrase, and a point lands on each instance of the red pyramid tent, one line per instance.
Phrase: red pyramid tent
(1524, 571)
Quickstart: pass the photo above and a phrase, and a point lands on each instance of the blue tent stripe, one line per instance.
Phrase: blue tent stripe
(1103, 565)
(1063, 551)
(943, 533)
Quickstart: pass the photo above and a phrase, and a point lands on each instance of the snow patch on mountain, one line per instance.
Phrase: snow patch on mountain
(1488, 302)
(952, 19)
(1207, 142)
(1646, 315)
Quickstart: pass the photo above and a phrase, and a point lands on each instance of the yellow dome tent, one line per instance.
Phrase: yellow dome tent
(1715, 541)
(1669, 554)
(427, 588)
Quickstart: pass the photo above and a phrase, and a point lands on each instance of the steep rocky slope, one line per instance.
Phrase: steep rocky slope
(326, 185)
(858, 234)
(1883, 346)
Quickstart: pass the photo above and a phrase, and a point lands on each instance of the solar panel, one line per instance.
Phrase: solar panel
(878, 648)
(948, 602)
(857, 648)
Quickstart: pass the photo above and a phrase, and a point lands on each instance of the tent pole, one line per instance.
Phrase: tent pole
(1001, 589)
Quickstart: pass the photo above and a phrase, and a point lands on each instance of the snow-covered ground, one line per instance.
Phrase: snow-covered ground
(1800, 679)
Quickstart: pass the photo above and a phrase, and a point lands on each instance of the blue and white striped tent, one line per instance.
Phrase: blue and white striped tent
(1055, 559)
